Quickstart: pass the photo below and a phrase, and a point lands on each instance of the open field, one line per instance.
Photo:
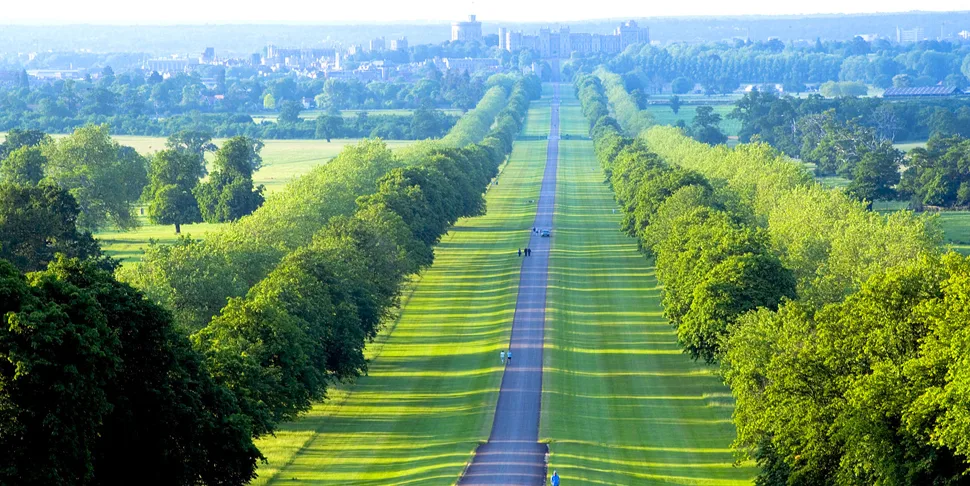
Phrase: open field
(430, 394)
(283, 161)
(907, 146)
(663, 115)
(621, 402)
(956, 229)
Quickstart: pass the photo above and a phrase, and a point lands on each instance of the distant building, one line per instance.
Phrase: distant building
(630, 33)
(467, 31)
(922, 92)
(502, 32)
(470, 64)
(163, 66)
(377, 44)
(964, 34)
(296, 57)
(561, 44)
(909, 36)
(399, 44)
(255, 59)
(56, 73)
(208, 55)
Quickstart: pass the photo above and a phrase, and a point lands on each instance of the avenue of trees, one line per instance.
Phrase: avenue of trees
(841, 332)
(151, 389)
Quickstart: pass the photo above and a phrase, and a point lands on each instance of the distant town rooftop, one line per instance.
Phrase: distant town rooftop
(921, 91)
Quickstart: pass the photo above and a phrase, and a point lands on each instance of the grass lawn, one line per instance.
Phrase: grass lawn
(907, 146)
(956, 230)
(621, 402)
(283, 161)
(430, 395)
(663, 115)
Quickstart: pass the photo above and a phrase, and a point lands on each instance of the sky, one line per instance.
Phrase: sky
(382, 11)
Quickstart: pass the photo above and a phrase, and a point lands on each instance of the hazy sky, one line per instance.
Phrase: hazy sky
(339, 11)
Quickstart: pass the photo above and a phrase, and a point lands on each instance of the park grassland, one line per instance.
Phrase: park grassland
(283, 161)
(429, 397)
(622, 403)
(664, 115)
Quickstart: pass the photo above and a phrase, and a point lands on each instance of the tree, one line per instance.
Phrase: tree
(104, 177)
(903, 81)
(289, 112)
(675, 104)
(876, 174)
(735, 286)
(938, 175)
(18, 138)
(425, 124)
(140, 397)
(23, 166)
(706, 126)
(681, 85)
(37, 222)
(229, 193)
(192, 141)
(329, 126)
(965, 67)
(269, 102)
(173, 175)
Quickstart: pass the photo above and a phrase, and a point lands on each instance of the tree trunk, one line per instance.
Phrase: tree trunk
(178, 228)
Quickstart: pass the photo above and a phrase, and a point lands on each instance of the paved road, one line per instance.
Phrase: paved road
(513, 454)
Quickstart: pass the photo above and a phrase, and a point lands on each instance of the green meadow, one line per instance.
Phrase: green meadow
(283, 161)
(429, 397)
(621, 402)
(663, 115)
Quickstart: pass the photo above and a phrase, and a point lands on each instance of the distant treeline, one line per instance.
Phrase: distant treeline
(146, 104)
(722, 67)
(840, 332)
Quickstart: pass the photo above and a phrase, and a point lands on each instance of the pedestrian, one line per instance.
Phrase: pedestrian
(509, 357)
(533, 229)
(555, 478)
(520, 251)
(502, 355)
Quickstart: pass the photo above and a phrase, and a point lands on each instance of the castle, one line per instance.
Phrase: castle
(563, 43)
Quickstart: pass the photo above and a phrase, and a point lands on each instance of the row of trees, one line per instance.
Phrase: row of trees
(839, 331)
(721, 67)
(232, 260)
(144, 396)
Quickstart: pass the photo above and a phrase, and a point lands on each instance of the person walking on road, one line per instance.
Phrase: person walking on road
(520, 251)
(555, 478)
(509, 358)
(502, 355)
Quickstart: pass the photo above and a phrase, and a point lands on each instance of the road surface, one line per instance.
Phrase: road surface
(513, 454)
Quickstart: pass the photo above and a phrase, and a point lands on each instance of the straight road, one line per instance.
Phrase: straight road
(621, 402)
(513, 454)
